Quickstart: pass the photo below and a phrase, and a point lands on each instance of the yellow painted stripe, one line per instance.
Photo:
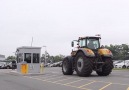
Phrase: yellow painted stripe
(86, 84)
(56, 83)
(128, 88)
(49, 76)
(105, 86)
(62, 80)
(54, 78)
(73, 82)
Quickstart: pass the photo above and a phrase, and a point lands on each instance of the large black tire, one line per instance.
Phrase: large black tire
(124, 67)
(127, 67)
(107, 68)
(67, 66)
(83, 65)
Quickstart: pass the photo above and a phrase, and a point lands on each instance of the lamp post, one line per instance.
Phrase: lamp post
(45, 54)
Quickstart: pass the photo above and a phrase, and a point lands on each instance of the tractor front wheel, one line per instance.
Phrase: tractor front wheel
(67, 66)
(83, 65)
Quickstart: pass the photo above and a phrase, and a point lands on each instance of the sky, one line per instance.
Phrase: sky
(55, 23)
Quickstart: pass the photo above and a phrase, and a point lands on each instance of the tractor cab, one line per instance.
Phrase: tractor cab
(89, 42)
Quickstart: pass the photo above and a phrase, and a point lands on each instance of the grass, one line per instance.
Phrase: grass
(120, 69)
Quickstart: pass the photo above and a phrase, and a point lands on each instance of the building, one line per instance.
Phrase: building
(30, 56)
(2, 57)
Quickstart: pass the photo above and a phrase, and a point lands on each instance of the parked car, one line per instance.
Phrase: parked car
(117, 61)
(2, 65)
(123, 64)
(57, 64)
(10, 65)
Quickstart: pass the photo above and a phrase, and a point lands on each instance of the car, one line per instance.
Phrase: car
(2, 65)
(56, 64)
(123, 64)
(117, 61)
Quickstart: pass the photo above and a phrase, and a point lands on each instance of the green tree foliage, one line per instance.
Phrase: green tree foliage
(120, 52)
(11, 58)
(51, 59)
(58, 58)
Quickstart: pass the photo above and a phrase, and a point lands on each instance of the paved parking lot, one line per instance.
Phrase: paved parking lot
(53, 79)
(118, 80)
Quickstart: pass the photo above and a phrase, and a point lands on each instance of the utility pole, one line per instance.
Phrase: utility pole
(32, 42)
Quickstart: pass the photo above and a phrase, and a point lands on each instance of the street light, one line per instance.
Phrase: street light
(45, 54)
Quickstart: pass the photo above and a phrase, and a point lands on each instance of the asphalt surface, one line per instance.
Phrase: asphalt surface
(53, 79)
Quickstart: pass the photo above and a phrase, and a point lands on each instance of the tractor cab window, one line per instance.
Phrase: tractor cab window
(93, 43)
(82, 43)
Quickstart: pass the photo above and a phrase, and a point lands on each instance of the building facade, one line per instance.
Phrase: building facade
(2, 57)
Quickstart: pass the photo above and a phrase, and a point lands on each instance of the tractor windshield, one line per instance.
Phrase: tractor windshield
(93, 43)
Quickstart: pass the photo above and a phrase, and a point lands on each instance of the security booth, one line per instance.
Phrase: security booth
(28, 59)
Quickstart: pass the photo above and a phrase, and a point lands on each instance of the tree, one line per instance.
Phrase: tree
(11, 58)
(58, 58)
(120, 52)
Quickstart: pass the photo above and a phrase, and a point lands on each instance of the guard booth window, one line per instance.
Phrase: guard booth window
(27, 57)
(19, 57)
(35, 58)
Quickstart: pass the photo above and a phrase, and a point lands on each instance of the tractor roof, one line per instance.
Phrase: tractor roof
(90, 37)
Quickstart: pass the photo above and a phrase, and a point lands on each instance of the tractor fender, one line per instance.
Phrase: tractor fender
(87, 52)
(105, 52)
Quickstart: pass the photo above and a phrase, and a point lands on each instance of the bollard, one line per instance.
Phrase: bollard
(41, 68)
(24, 68)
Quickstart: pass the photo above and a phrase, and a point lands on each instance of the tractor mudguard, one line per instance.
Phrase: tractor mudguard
(87, 52)
(105, 52)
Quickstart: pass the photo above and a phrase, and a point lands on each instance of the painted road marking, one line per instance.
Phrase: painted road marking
(45, 76)
(56, 83)
(105, 86)
(81, 87)
(53, 78)
(55, 72)
(86, 84)
(62, 80)
(74, 82)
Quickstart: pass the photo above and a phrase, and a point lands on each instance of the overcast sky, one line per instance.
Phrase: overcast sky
(55, 23)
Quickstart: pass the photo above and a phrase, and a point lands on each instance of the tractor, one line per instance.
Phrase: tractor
(88, 56)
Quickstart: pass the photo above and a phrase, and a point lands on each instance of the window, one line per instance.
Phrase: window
(35, 58)
(27, 57)
(19, 57)
(82, 43)
(93, 43)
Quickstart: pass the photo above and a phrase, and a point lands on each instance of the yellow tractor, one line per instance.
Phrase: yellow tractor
(87, 57)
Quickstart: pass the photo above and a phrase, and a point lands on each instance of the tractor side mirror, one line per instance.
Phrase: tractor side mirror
(72, 44)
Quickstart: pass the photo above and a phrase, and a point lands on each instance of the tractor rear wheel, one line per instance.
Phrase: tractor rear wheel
(83, 65)
(107, 68)
(67, 66)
